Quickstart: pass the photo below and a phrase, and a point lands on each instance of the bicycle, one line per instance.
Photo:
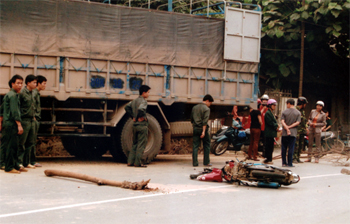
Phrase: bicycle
(347, 142)
(332, 143)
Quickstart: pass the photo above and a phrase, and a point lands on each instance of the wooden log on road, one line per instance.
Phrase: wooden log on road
(124, 184)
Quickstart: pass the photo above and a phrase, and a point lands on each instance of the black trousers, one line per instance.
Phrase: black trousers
(269, 148)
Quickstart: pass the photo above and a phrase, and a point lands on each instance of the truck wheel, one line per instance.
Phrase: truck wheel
(85, 148)
(116, 148)
(124, 139)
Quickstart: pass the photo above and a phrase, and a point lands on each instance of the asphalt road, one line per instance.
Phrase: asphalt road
(322, 195)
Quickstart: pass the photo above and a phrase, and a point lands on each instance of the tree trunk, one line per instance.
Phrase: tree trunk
(125, 184)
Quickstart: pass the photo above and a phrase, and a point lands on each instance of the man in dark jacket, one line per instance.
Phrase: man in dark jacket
(199, 119)
(271, 128)
(137, 111)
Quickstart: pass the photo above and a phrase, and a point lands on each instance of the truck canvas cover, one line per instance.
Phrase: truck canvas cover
(101, 31)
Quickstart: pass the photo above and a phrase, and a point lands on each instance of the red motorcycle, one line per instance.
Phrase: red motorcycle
(249, 174)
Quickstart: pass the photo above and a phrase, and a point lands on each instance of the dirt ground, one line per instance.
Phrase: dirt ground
(52, 146)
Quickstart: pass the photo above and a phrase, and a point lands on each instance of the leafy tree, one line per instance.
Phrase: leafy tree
(326, 31)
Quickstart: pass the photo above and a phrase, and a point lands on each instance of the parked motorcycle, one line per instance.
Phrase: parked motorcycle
(249, 174)
(229, 138)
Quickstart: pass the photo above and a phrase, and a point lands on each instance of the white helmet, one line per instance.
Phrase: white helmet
(265, 97)
(320, 103)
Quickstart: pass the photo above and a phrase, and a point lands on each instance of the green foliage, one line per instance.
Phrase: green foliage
(326, 24)
(284, 70)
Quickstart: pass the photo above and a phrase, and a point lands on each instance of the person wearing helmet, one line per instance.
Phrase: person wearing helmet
(317, 119)
(264, 98)
(263, 109)
(290, 119)
(271, 128)
(302, 130)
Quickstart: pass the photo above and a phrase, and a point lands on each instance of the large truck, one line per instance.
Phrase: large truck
(95, 57)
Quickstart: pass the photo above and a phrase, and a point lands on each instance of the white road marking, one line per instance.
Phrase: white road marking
(326, 175)
(132, 198)
(108, 201)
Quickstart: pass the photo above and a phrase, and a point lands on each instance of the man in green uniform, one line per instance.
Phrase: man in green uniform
(26, 140)
(41, 85)
(137, 111)
(199, 119)
(302, 130)
(2, 146)
(11, 126)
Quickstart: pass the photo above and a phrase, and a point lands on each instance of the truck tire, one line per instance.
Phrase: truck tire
(124, 139)
(84, 148)
(116, 148)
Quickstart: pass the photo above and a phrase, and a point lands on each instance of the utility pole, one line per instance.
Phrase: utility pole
(302, 56)
(170, 5)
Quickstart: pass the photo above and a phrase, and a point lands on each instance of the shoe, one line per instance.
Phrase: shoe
(307, 161)
(130, 164)
(37, 165)
(13, 171)
(143, 166)
(299, 161)
(22, 169)
(2, 168)
(284, 165)
(195, 165)
(30, 166)
(208, 164)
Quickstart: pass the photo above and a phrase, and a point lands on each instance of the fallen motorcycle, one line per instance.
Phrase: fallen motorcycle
(249, 174)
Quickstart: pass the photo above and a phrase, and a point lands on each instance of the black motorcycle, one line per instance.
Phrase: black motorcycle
(249, 174)
(229, 138)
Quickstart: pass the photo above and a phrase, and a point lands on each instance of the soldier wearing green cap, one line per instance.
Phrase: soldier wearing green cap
(302, 130)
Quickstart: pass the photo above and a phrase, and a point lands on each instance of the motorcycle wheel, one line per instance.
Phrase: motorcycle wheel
(220, 148)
